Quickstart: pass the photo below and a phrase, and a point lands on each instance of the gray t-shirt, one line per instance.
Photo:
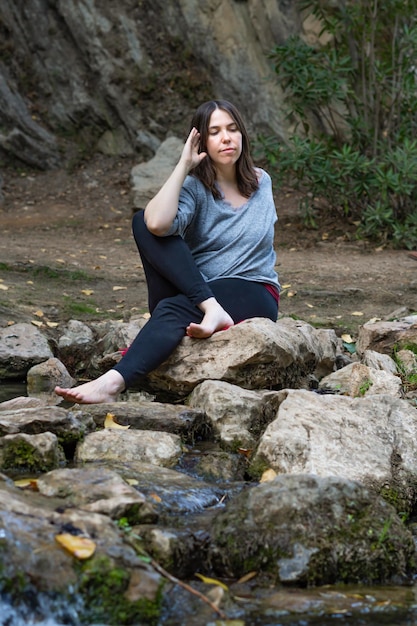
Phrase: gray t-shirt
(229, 242)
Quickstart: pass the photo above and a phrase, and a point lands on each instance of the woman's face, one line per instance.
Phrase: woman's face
(224, 139)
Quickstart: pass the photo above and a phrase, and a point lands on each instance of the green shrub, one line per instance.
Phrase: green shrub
(352, 101)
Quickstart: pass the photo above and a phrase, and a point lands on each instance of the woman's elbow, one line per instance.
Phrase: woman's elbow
(155, 226)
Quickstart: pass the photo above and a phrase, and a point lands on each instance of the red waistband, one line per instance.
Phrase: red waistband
(273, 291)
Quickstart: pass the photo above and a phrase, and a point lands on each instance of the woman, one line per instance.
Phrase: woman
(206, 243)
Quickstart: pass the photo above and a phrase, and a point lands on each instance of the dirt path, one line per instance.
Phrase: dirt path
(66, 251)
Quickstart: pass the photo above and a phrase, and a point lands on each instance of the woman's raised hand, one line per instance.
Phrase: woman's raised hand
(190, 153)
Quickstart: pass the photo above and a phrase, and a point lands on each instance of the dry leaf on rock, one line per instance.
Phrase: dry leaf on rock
(110, 423)
(80, 547)
(27, 483)
(268, 475)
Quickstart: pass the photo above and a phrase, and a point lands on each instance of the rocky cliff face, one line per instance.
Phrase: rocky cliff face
(120, 76)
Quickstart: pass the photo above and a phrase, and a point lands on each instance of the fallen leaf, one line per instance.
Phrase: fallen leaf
(3, 287)
(118, 288)
(290, 294)
(310, 306)
(155, 497)
(52, 324)
(268, 475)
(87, 292)
(146, 316)
(346, 338)
(80, 547)
(245, 452)
(23, 483)
(247, 577)
(132, 481)
(286, 286)
(37, 323)
(212, 581)
(38, 313)
(110, 423)
(357, 313)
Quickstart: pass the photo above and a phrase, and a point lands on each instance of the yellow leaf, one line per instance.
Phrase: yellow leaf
(357, 313)
(290, 294)
(268, 475)
(310, 306)
(132, 481)
(37, 323)
(110, 423)
(347, 339)
(118, 288)
(80, 547)
(212, 581)
(52, 324)
(155, 497)
(38, 313)
(87, 292)
(22, 483)
(3, 287)
(286, 286)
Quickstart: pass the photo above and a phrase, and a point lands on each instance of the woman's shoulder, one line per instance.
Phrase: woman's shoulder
(262, 175)
(264, 179)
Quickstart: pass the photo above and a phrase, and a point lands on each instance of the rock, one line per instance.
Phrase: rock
(132, 445)
(30, 454)
(407, 361)
(189, 423)
(147, 177)
(173, 492)
(21, 347)
(372, 440)
(98, 490)
(305, 530)
(238, 416)
(29, 527)
(76, 346)
(358, 380)
(385, 336)
(34, 420)
(120, 100)
(255, 354)
(379, 361)
(43, 378)
(21, 136)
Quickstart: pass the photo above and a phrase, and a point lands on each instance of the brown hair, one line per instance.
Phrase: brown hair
(247, 180)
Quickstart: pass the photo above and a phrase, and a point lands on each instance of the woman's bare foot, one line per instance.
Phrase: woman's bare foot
(106, 388)
(215, 318)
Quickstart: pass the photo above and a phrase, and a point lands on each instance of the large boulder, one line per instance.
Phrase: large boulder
(307, 529)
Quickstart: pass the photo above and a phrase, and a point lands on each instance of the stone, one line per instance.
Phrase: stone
(21, 347)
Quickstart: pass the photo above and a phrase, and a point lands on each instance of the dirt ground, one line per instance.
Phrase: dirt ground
(66, 252)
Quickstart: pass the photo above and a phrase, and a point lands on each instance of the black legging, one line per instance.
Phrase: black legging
(175, 288)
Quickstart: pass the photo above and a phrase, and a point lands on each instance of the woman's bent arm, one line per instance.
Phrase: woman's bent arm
(160, 212)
